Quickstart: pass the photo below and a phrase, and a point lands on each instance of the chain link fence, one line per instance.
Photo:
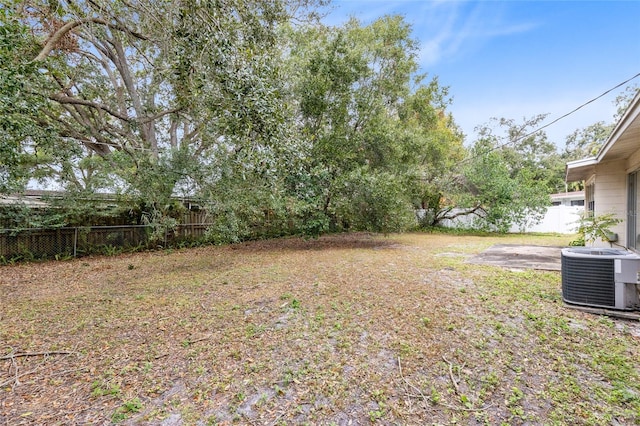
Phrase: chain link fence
(26, 244)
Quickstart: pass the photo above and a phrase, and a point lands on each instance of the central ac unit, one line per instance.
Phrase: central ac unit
(600, 277)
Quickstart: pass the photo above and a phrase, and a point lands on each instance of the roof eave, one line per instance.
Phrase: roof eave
(580, 169)
(631, 114)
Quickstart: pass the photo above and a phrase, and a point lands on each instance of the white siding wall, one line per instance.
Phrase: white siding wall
(611, 196)
(634, 161)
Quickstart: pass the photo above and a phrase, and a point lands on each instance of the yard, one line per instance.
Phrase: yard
(348, 329)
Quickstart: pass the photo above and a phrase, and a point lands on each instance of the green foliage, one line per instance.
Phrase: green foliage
(279, 129)
(24, 132)
(372, 202)
(126, 409)
(592, 227)
(505, 183)
(98, 389)
(371, 131)
(586, 142)
(139, 98)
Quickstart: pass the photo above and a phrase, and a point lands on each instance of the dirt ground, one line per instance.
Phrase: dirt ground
(346, 330)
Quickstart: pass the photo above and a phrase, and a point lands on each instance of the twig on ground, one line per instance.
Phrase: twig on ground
(25, 354)
(14, 364)
(406, 389)
(453, 379)
(207, 337)
(17, 376)
(415, 388)
(457, 389)
(275, 421)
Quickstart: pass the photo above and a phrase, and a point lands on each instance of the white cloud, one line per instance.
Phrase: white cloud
(451, 29)
(446, 29)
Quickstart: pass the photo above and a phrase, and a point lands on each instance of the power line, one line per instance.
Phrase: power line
(552, 122)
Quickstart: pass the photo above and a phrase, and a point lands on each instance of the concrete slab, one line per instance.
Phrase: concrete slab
(517, 256)
(627, 315)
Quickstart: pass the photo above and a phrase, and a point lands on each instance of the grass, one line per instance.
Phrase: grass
(361, 328)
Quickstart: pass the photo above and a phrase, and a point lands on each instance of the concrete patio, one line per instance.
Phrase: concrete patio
(517, 256)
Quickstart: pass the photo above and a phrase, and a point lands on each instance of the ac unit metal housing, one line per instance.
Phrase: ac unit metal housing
(600, 277)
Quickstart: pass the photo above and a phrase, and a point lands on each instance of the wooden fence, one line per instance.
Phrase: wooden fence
(65, 242)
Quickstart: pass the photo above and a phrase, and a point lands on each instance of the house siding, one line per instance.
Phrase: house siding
(611, 196)
(634, 161)
(609, 172)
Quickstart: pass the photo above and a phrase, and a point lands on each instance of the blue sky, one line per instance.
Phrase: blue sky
(517, 59)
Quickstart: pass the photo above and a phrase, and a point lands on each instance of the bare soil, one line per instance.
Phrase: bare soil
(348, 330)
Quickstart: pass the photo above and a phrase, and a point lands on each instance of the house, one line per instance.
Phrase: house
(612, 178)
(568, 199)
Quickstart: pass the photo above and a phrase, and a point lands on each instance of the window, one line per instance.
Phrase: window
(577, 202)
(556, 203)
(589, 192)
(632, 211)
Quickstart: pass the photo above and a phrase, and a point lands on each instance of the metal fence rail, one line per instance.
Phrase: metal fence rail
(72, 242)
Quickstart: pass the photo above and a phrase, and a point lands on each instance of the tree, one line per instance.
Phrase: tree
(432, 149)
(19, 105)
(623, 100)
(524, 148)
(504, 181)
(277, 128)
(369, 127)
(500, 196)
(586, 142)
(143, 98)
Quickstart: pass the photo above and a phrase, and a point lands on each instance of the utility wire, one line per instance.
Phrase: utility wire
(551, 123)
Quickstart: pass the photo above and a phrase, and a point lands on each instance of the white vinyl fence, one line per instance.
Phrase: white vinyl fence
(558, 219)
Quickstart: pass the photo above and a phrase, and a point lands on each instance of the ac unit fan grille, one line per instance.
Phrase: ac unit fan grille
(588, 281)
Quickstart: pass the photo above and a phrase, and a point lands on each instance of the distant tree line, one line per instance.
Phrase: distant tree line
(259, 110)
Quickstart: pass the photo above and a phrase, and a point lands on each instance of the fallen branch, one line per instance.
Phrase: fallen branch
(16, 378)
(207, 337)
(25, 354)
(453, 380)
(415, 388)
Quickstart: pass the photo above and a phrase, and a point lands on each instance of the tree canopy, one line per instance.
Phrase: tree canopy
(273, 120)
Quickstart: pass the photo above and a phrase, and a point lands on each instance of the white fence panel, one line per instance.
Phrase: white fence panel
(558, 219)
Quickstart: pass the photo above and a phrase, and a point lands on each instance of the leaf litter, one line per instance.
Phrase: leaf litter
(345, 329)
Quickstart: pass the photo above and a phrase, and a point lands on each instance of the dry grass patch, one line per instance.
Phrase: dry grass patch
(350, 328)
